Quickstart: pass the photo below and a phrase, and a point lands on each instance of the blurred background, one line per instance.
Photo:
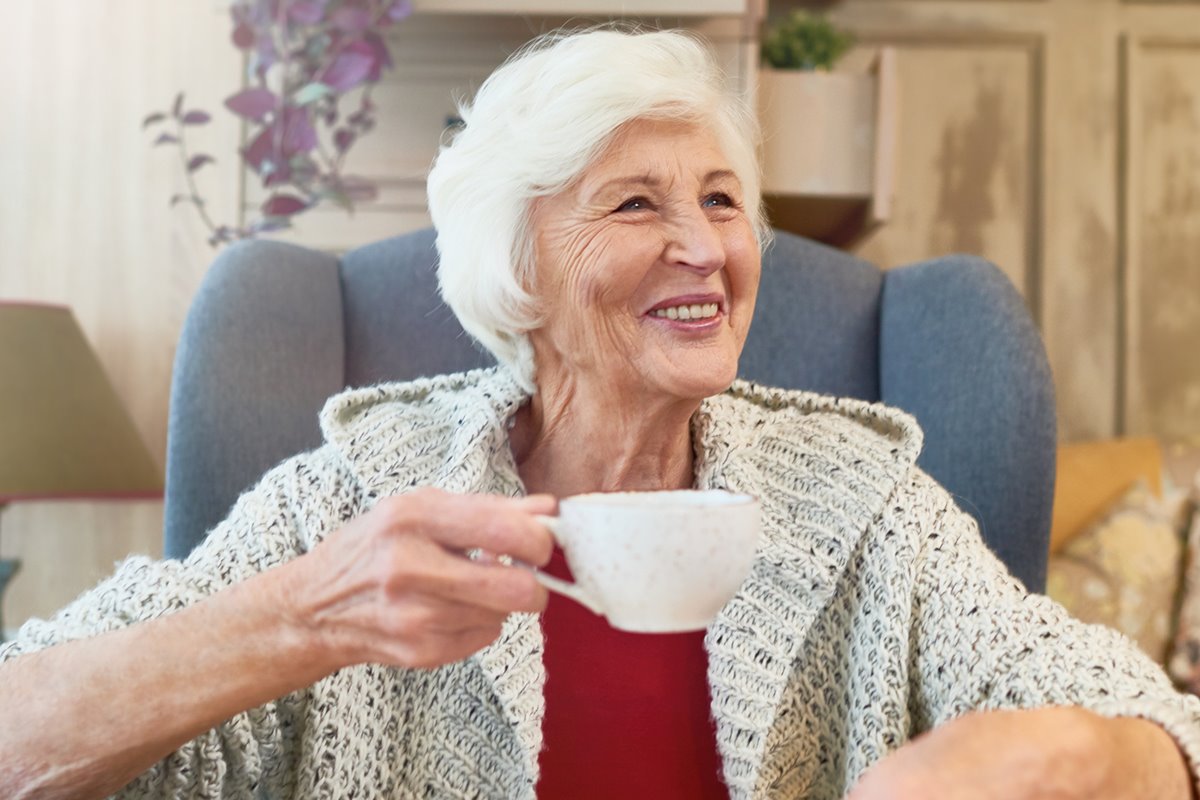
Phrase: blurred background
(1058, 138)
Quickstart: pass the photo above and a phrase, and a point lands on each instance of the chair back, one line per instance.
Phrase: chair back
(275, 329)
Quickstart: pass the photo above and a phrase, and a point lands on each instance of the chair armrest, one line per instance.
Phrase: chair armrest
(960, 351)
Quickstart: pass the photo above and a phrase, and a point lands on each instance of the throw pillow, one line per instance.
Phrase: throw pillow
(1124, 571)
(1091, 476)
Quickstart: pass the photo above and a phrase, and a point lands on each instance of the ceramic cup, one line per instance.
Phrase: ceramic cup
(655, 562)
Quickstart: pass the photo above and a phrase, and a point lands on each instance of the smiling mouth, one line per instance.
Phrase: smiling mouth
(689, 311)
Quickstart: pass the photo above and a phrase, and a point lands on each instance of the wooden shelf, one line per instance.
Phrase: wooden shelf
(598, 8)
(833, 220)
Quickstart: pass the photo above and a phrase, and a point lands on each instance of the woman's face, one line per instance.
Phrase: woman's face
(647, 268)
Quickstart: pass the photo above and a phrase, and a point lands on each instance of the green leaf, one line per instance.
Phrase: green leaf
(311, 93)
(805, 41)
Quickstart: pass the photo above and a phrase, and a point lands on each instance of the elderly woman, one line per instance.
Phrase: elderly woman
(600, 229)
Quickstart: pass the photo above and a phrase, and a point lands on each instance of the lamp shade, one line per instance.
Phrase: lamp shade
(63, 431)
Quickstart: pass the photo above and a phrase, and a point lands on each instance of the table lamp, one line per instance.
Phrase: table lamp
(64, 434)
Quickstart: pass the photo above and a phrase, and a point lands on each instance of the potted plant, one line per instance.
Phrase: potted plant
(304, 57)
(817, 123)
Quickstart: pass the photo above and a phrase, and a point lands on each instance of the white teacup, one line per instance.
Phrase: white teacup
(655, 562)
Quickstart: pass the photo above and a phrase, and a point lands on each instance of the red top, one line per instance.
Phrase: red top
(627, 714)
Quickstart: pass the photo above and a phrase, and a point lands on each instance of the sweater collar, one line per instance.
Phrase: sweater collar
(822, 467)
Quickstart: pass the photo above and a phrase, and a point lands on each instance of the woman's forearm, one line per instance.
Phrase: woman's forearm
(1048, 752)
(85, 718)
(1145, 762)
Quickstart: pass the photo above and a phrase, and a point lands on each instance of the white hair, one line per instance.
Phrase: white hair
(534, 126)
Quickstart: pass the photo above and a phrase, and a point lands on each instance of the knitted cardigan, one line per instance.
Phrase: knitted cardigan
(873, 611)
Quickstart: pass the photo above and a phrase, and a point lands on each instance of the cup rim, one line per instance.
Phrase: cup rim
(631, 499)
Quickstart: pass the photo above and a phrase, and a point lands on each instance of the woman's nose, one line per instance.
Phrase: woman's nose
(695, 243)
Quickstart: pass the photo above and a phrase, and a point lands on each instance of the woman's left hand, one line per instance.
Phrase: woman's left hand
(1040, 753)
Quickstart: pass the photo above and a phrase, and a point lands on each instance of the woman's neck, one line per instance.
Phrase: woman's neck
(571, 438)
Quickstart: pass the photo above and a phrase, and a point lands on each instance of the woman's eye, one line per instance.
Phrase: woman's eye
(634, 204)
(720, 199)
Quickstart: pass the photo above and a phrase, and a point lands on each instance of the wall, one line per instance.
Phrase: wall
(84, 222)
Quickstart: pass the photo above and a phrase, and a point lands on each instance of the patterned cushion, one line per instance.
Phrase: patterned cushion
(1124, 570)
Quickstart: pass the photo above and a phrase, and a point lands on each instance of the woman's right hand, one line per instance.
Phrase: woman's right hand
(395, 586)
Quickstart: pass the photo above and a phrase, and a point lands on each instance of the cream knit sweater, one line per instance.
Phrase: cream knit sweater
(873, 612)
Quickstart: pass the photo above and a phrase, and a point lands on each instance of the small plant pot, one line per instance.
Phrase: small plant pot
(818, 132)
(829, 149)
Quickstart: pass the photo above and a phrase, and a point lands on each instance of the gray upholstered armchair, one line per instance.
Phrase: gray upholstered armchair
(276, 329)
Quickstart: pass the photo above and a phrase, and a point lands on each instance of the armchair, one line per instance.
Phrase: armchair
(275, 329)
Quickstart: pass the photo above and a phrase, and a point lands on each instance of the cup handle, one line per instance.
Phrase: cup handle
(571, 590)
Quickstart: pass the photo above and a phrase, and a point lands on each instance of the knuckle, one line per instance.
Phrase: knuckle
(392, 515)
(402, 510)
(544, 543)
(525, 593)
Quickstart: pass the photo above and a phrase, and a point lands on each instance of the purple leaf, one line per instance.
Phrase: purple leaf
(398, 10)
(265, 55)
(196, 162)
(283, 205)
(305, 12)
(299, 136)
(380, 53)
(196, 118)
(342, 139)
(350, 68)
(253, 104)
(243, 37)
(154, 118)
(261, 150)
(177, 108)
(351, 19)
(277, 175)
(274, 145)
(165, 138)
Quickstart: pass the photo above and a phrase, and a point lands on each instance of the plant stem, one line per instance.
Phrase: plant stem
(197, 201)
(281, 24)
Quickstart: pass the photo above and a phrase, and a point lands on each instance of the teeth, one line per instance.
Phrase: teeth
(694, 311)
